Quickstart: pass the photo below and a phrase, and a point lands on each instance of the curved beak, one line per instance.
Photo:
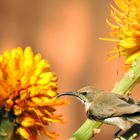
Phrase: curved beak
(67, 93)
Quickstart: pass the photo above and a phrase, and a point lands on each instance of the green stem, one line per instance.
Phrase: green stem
(128, 81)
(6, 129)
(86, 130)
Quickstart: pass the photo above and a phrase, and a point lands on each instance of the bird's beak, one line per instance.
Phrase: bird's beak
(67, 93)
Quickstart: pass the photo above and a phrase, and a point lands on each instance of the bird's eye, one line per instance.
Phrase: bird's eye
(84, 93)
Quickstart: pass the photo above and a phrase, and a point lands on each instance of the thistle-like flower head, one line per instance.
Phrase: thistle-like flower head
(27, 92)
(126, 31)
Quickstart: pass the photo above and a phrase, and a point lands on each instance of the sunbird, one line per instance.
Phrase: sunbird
(108, 107)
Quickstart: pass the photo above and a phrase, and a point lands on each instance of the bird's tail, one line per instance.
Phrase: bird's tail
(134, 119)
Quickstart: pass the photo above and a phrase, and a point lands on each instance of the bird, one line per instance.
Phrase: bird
(108, 107)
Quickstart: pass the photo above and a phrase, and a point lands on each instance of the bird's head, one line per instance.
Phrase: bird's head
(85, 94)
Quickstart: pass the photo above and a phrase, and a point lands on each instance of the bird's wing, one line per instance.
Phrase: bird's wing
(127, 99)
(112, 105)
(125, 105)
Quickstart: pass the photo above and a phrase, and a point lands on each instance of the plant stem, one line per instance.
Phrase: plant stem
(128, 81)
(6, 129)
(86, 130)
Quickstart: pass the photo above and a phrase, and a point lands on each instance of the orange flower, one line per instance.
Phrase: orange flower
(126, 32)
(27, 92)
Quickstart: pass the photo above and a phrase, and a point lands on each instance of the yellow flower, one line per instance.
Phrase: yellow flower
(27, 92)
(126, 32)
